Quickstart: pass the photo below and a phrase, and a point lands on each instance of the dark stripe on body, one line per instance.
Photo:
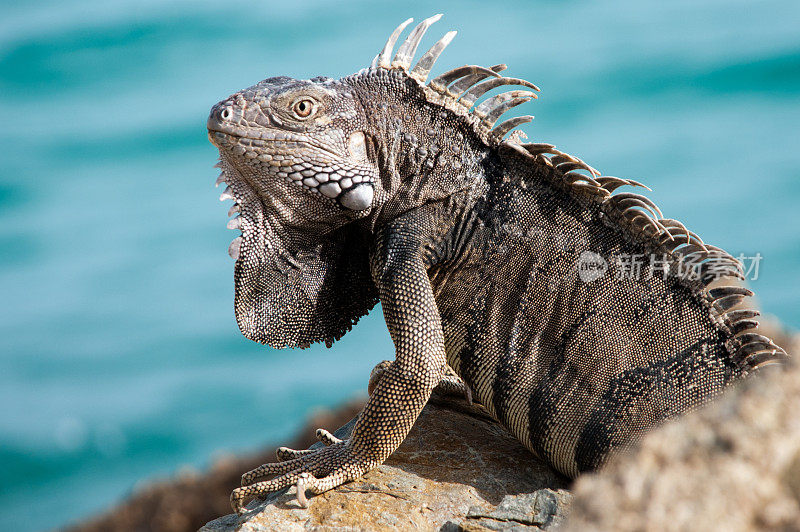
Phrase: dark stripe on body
(616, 410)
(544, 400)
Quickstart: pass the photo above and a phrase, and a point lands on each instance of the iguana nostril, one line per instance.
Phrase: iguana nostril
(226, 113)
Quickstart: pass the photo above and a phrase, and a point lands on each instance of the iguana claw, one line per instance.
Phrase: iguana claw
(302, 484)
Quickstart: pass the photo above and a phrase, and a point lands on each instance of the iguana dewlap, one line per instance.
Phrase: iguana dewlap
(500, 259)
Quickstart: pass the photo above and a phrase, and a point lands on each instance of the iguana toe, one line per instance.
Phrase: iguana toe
(453, 385)
(284, 453)
(327, 438)
(266, 470)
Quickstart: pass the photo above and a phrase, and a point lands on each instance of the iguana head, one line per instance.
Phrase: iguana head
(304, 159)
(294, 157)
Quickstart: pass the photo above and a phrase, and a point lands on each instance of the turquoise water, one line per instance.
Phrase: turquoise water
(120, 359)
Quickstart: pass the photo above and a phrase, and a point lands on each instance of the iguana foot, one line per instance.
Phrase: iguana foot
(450, 384)
(315, 470)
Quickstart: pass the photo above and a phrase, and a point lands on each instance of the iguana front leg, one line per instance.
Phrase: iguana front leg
(397, 399)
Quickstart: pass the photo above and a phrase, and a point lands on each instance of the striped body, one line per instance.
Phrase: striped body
(573, 368)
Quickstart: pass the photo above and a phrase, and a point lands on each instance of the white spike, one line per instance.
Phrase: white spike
(233, 249)
(489, 105)
(234, 223)
(492, 116)
(425, 64)
(482, 88)
(220, 179)
(226, 194)
(468, 81)
(501, 130)
(384, 58)
(407, 50)
(440, 83)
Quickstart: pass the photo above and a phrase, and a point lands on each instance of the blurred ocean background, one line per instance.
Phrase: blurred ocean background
(120, 359)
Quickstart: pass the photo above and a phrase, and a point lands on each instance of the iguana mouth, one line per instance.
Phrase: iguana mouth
(224, 134)
(232, 139)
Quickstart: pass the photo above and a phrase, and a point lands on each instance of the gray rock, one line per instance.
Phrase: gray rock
(540, 509)
(457, 470)
(734, 466)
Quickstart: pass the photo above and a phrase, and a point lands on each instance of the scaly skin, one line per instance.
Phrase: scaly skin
(377, 187)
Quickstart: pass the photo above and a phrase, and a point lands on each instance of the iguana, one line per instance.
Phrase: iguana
(488, 255)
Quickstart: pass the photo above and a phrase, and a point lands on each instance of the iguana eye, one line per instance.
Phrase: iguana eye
(303, 108)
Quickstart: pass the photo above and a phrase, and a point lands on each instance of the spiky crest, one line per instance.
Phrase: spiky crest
(462, 86)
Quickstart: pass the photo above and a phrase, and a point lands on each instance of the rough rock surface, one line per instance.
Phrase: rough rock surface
(457, 470)
(734, 465)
